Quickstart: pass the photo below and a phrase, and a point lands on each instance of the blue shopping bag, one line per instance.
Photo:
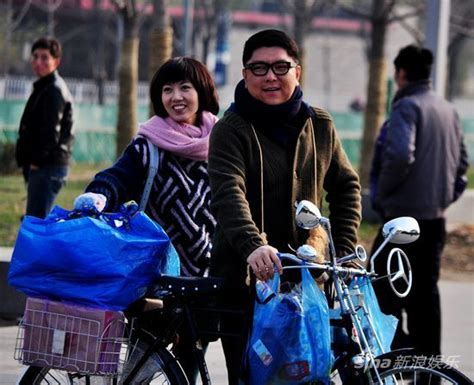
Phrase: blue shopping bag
(104, 260)
(290, 339)
(385, 325)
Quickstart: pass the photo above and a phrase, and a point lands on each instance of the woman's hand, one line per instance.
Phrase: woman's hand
(262, 261)
(90, 201)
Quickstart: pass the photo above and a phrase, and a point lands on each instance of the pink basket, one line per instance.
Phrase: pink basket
(71, 337)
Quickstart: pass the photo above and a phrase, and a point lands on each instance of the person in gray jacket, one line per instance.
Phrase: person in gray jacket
(418, 170)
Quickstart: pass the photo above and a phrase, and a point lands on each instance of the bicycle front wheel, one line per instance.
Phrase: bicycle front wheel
(35, 375)
(403, 368)
(160, 369)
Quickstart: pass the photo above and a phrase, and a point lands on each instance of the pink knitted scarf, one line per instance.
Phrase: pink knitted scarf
(181, 139)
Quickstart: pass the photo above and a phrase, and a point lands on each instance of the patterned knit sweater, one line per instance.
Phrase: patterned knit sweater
(179, 199)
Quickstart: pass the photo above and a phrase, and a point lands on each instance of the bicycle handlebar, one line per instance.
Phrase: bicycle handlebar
(338, 270)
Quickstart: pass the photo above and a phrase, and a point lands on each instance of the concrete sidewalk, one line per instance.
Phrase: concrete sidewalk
(462, 211)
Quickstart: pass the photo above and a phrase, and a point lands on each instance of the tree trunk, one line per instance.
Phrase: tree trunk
(127, 105)
(206, 44)
(376, 89)
(374, 115)
(160, 41)
(300, 27)
(455, 80)
(99, 72)
(161, 47)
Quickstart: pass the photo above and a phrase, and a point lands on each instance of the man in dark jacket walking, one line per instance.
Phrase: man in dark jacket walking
(418, 170)
(45, 136)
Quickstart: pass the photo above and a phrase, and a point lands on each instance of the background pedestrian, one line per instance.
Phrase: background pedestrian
(45, 137)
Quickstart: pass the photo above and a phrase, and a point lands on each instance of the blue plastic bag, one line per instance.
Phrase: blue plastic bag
(290, 340)
(385, 325)
(107, 261)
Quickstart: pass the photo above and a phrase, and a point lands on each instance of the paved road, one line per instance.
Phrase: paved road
(458, 337)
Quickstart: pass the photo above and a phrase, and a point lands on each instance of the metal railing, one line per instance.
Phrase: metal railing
(82, 90)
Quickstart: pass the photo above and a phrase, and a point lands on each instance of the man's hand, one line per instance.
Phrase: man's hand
(34, 167)
(262, 260)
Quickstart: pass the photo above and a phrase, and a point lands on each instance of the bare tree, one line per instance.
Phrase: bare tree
(99, 65)
(380, 15)
(50, 7)
(160, 39)
(461, 31)
(128, 73)
(206, 25)
(303, 12)
(11, 24)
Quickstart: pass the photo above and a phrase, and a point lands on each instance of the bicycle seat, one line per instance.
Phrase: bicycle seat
(187, 286)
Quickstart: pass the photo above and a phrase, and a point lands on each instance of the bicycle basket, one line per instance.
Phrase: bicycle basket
(73, 338)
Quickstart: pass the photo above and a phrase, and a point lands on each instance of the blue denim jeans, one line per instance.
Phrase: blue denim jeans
(43, 186)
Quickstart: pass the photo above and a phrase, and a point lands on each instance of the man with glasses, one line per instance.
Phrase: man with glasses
(45, 136)
(268, 152)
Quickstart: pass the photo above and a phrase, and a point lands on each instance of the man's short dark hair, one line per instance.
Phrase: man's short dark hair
(184, 68)
(270, 38)
(416, 61)
(49, 43)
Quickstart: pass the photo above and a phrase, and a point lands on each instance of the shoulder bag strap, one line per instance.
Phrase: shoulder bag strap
(152, 170)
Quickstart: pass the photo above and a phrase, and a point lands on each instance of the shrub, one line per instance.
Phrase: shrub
(7, 158)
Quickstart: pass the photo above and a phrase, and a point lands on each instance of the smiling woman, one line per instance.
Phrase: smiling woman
(185, 102)
(180, 78)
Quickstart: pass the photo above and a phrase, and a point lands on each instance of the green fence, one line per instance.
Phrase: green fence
(95, 130)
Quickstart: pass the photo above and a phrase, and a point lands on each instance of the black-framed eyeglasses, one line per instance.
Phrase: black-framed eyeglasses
(261, 68)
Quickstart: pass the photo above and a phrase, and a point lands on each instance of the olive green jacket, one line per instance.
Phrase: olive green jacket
(236, 168)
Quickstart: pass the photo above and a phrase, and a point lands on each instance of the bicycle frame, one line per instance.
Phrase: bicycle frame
(181, 308)
(401, 230)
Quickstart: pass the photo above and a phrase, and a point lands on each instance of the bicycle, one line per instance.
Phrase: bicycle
(180, 300)
(153, 328)
(357, 361)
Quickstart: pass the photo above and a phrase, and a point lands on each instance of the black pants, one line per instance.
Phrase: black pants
(237, 325)
(233, 352)
(185, 354)
(422, 305)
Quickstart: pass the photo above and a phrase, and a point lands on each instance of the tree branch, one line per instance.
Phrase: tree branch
(353, 12)
(50, 6)
(389, 7)
(466, 31)
(14, 23)
(415, 12)
(414, 32)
